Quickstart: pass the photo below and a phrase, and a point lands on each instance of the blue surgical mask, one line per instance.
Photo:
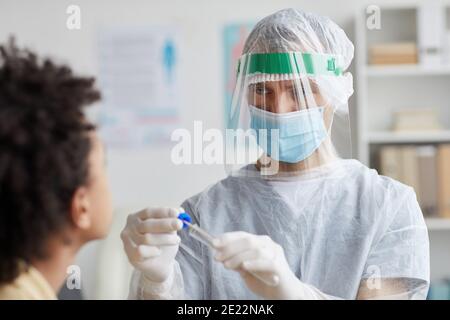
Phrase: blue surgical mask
(300, 133)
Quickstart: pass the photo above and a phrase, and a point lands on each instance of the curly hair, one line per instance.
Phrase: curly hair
(44, 150)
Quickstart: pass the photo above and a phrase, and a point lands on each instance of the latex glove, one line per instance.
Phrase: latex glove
(151, 242)
(248, 253)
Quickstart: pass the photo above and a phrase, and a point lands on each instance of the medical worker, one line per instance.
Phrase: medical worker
(323, 227)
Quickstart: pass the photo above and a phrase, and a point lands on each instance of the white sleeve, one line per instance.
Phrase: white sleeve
(142, 288)
(309, 292)
(398, 265)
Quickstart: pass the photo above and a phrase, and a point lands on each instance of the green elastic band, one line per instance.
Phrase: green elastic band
(289, 63)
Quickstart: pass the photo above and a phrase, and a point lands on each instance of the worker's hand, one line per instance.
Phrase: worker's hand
(151, 242)
(249, 254)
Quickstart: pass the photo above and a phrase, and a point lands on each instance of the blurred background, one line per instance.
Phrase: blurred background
(172, 62)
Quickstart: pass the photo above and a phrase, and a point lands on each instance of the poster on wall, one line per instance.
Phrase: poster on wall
(234, 36)
(139, 79)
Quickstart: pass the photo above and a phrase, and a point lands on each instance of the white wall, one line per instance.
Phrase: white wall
(146, 178)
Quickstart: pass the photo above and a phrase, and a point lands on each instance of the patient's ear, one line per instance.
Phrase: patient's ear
(80, 212)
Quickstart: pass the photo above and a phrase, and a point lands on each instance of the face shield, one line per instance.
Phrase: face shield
(289, 114)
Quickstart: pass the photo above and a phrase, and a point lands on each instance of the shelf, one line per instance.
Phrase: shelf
(405, 70)
(409, 137)
(438, 223)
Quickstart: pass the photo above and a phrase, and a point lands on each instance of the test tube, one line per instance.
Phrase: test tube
(204, 237)
(199, 234)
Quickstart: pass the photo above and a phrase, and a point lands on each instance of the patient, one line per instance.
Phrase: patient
(54, 194)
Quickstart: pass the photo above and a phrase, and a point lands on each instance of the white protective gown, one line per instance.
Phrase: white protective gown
(339, 225)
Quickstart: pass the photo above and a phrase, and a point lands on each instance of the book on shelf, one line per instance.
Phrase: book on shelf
(430, 33)
(419, 119)
(426, 158)
(393, 53)
(443, 164)
(411, 169)
(424, 168)
(390, 164)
